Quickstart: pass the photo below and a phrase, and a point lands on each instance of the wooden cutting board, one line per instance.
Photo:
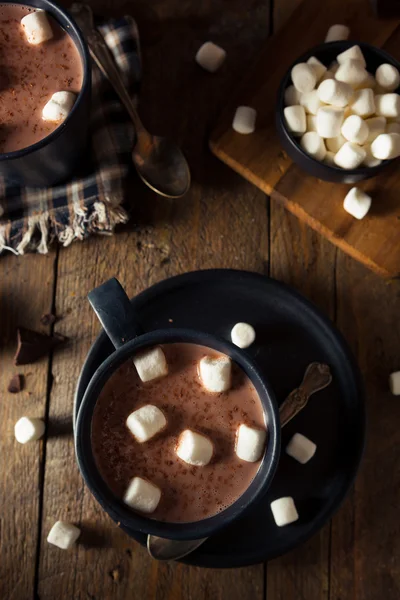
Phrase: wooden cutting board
(375, 241)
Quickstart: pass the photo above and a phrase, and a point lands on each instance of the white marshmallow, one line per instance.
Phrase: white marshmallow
(215, 373)
(393, 128)
(353, 73)
(210, 57)
(243, 335)
(250, 442)
(58, 107)
(370, 160)
(387, 77)
(357, 203)
(151, 364)
(362, 103)
(311, 121)
(394, 383)
(318, 67)
(301, 448)
(387, 105)
(329, 121)
(291, 96)
(334, 92)
(355, 130)
(311, 102)
(350, 156)
(304, 77)
(337, 33)
(284, 511)
(146, 422)
(330, 158)
(244, 120)
(37, 27)
(142, 495)
(386, 146)
(28, 430)
(376, 126)
(313, 144)
(353, 53)
(63, 535)
(194, 448)
(334, 144)
(295, 119)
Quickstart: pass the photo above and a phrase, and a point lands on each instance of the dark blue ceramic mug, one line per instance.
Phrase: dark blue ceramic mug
(54, 158)
(118, 318)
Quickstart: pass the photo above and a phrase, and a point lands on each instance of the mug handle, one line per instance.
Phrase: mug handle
(115, 312)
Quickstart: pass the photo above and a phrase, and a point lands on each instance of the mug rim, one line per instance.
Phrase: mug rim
(114, 506)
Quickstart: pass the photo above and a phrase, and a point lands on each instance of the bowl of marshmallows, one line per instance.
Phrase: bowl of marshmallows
(338, 111)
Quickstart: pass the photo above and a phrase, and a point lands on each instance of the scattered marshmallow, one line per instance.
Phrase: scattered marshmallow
(353, 53)
(362, 103)
(318, 67)
(370, 160)
(37, 27)
(311, 102)
(329, 121)
(250, 442)
(387, 77)
(243, 335)
(334, 144)
(151, 364)
(334, 92)
(394, 383)
(357, 203)
(353, 73)
(194, 448)
(295, 119)
(386, 146)
(210, 57)
(284, 511)
(28, 429)
(350, 156)
(304, 77)
(393, 128)
(301, 448)
(313, 144)
(376, 126)
(330, 158)
(387, 105)
(146, 422)
(142, 495)
(63, 535)
(244, 120)
(58, 107)
(355, 130)
(311, 122)
(337, 33)
(292, 96)
(215, 373)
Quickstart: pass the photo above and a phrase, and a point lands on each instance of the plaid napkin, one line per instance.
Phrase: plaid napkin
(31, 218)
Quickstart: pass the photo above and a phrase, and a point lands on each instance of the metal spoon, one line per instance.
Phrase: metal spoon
(159, 162)
(316, 378)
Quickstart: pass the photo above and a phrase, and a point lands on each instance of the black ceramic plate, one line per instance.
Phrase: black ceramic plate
(291, 333)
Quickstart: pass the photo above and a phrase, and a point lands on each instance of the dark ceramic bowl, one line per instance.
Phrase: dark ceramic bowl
(54, 158)
(327, 53)
(118, 319)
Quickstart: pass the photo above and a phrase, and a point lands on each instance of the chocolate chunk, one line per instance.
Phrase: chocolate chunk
(33, 345)
(48, 319)
(16, 384)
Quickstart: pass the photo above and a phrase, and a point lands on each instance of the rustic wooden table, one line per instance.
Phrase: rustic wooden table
(224, 222)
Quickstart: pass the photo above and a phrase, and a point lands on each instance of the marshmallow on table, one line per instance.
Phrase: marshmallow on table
(28, 429)
(284, 511)
(301, 448)
(146, 422)
(151, 364)
(362, 103)
(355, 130)
(63, 535)
(244, 120)
(329, 121)
(58, 107)
(314, 145)
(37, 27)
(194, 449)
(353, 53)
(243, 335)
(387, 77)
(311, 122)
(215, 373)
(304, 77)
(337, 33)
(386, 146)
(334, 92)
(250, 442)
(387, 105)
(394, 383)
(393, 128)
(142, 495)
(210, 56)
(318, 67)
(370, 160)
(292, 96)
(334, 144)
(311, 102)
(376, 126)
(295, 119)
(350, 156)
(353, 73)
(357, 203)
